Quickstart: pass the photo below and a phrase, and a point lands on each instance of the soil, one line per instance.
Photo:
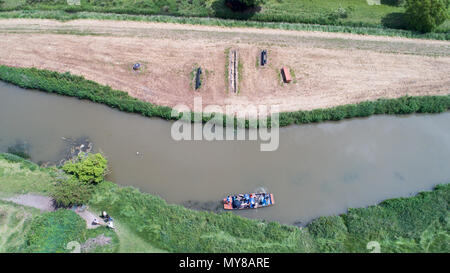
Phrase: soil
(40, 202)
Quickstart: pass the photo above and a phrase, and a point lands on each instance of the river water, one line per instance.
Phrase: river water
(318, 170)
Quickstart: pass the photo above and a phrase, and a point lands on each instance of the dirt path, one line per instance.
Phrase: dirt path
(40, 202)
(45, 203)
(329, 68)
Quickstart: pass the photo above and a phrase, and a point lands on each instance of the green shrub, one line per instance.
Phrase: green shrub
(252, 3)
(331, 227)
(72, 192)
(426, 15)
(52, 231)
(393, 2)
(90, 168)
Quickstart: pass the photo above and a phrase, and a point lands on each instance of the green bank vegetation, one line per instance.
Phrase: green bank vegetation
(324, 12)
(414, 224)
(14, 224)
(25, 229)
(19, 176)
(76, 86)
(307, 15)
(52, 232)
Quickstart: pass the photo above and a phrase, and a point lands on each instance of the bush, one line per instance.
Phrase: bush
(72, 192)
(393, 2)
(252, 3)
(90, 168)
(331, 227)
(426, 15)
(51, 231)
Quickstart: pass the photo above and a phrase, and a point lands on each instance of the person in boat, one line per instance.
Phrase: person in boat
(246, 198)
(252, 201)
(264, 200)
(261, 198)
(236, 203)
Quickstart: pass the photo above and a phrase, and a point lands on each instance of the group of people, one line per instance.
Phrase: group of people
(248, 200)
(108, 220)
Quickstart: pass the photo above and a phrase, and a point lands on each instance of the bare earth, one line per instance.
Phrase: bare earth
(330, 69)
(40, 202)
(45, 203)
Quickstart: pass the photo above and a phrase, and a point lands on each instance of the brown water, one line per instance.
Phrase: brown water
(317, 170)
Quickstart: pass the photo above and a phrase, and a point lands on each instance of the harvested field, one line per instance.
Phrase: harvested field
(328, 69)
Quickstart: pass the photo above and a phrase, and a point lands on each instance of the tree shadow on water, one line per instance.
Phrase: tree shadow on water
(395, 20)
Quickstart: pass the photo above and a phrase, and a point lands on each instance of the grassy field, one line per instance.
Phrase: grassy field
(351, 13)
(15, 221)
(18, 176)
(146, 223)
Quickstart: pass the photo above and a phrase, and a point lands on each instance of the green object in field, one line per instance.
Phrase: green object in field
(426, 15)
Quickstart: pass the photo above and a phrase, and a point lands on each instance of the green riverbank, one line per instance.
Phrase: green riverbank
(416, 224)
(76, 86)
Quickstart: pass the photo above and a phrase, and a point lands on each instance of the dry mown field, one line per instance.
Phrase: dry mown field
(330, 69)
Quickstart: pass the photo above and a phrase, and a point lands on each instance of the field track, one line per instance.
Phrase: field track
(328, 69)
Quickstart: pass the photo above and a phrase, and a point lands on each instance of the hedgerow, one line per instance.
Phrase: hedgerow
(76, 86)
(284, 23)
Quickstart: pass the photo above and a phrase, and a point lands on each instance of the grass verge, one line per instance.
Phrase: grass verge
(362, 30)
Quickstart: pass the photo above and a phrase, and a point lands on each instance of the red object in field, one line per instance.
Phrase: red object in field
(286, 75)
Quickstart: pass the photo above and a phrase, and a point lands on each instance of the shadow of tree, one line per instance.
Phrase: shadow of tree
(395, 3)
(233, 9)
(395, 20)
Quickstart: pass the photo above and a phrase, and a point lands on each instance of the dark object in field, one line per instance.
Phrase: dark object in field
(136, 66)
(198, 81)
(248, 201)
(286, 75)
(263, 57)
(236, 5)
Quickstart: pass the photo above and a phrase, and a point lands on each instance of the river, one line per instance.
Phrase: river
(318, 170)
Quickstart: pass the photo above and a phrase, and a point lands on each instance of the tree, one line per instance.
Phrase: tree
(72, 192)
(426, 15)
(252, 3)
(397, 3)
(89, 168)
(243, 4)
